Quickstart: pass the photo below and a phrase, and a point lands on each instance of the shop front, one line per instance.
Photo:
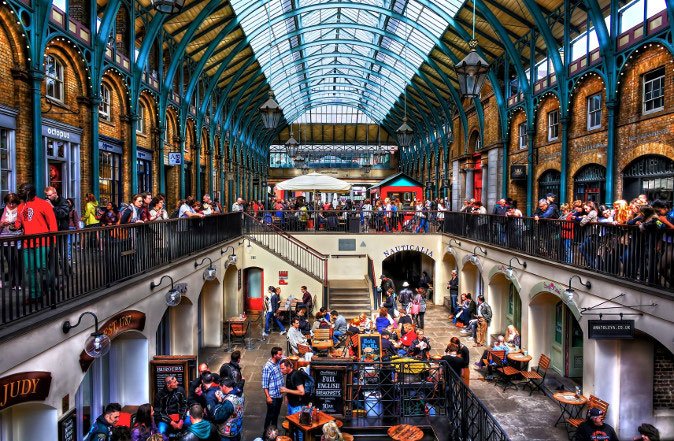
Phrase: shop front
(652, 175)
(589, 183)
(144, 164)
(110, 153)
(62, 157)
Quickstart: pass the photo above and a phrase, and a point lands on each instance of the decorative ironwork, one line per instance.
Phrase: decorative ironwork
(650, 166)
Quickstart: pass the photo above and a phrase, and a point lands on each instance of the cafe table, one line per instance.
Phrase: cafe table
(570, 404)
(519, 358)
(309, 432)
(228, 322)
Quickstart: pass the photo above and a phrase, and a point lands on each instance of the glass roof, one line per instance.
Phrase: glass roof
(334, 115)
(347, 53)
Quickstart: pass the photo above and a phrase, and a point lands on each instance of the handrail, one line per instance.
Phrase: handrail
(284, 233)
(45, 271)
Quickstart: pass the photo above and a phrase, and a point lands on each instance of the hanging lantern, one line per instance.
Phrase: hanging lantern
(292, 146)
(404, 134)
(367, 168)
(168, 6)
(471, 72)
(270, 112)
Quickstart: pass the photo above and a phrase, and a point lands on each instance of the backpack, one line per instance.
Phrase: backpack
(175, 213)
(309, 386)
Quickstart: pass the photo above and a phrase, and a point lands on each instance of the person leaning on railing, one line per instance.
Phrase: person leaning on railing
(12, 250)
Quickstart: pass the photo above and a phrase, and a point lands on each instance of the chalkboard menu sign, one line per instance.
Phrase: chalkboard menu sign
(369, 347)
(67, 427)
(181, 367)
(330, 388)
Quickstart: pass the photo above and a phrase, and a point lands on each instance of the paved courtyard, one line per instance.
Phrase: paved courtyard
(522, 417)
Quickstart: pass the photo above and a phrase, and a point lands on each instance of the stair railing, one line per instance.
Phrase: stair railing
(287, 247)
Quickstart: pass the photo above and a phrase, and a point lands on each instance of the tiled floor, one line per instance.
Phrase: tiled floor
(522, 417)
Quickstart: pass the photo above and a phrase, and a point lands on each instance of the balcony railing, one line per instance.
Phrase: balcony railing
(42, 272)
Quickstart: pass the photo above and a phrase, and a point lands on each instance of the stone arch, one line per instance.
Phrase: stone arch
(76, 69)
(118, 105)
(555, 289)
(15, 37)
(471, 278)
(30, 421)
(473, 139)
(211, 304)
(231, 305)
(183, 323)
(9, 37)
(498, 296)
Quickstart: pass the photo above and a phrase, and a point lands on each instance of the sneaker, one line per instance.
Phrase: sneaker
(283, 332)
(265, 334)
(464, 331)
(478, 364)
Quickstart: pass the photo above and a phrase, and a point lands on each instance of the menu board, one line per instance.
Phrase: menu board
(67, 427)
(181, 367)
(369, 347)
(330, 388)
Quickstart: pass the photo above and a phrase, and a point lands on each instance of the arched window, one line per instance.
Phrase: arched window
(549, 183)
(104, 107)
(589, 183)
(652, 175)
(54, 71)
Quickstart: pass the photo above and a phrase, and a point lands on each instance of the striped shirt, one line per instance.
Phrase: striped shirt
(272, 378)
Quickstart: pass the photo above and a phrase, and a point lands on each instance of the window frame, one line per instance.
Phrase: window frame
(58, 79)
(661, 78)
(591, 114)
(140, 124)
(554, 126)
(105, 103)
(11, 163)
(523, 137)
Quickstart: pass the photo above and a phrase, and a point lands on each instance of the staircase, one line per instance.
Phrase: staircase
(349, 297)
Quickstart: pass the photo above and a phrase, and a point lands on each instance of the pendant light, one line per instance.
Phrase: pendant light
(405, 132)
(270, 110)
(472, 70)
(292, 146)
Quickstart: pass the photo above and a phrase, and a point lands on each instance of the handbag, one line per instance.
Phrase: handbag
(415, 308)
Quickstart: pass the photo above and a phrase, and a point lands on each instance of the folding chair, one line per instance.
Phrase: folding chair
(573, 423)
(535, 378)
(504, 372)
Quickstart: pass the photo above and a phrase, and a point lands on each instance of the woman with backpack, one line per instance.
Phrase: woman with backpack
(419, 307)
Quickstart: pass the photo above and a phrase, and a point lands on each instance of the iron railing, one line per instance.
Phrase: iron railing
(289, 248)
(373, 281)
(645, 256)
(41, 272)
(401, 388)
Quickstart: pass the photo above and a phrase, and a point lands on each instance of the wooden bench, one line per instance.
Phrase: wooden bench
(536, 377)
(322, 340)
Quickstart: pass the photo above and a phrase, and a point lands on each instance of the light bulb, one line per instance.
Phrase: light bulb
(97, 345)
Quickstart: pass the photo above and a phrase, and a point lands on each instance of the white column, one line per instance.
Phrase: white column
(469, 184)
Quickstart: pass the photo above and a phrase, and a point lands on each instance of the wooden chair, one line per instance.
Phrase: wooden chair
(322, 341)
(303, 349)
(535, 378)
(239, 332)
(593, 402)
(352, 342)
(504, 372)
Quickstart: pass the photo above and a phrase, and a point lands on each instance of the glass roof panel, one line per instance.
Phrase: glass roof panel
(381, 61)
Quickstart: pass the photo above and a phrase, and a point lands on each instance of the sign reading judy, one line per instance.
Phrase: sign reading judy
(400, 248)
(611, 329)
(24, 386)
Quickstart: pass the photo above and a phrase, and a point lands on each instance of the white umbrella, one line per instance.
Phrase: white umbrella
(315, 182)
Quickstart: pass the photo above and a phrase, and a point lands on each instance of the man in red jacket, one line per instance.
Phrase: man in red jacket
(36, 216)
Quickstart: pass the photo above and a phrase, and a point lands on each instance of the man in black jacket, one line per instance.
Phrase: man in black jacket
(386, 283)
(200, 429)
(233, 370)
(61, 208)
(171, 400)
(594, 428)
(101, 430)
(453, 286)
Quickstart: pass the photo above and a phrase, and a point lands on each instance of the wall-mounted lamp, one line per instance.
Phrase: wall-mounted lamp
(473, 259)
(509, 272)
(210, 272)
(568, 293)
(98, 344)
(174, 295)
(231, 259)
(449, 245)
(244, 241)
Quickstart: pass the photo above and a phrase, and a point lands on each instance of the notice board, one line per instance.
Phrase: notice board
(330, 388)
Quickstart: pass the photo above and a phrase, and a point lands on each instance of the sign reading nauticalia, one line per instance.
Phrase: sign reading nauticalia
(400, 248)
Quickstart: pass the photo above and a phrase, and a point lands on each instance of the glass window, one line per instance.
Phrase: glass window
(140, 124)
(7, 166)
(654, 90)
(104, 107)
(553, 125)
(54, 77)
(594, 112)
(523, 135)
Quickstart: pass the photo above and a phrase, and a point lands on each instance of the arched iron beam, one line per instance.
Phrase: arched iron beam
(225, 93)
(101, 42)
(143, 54)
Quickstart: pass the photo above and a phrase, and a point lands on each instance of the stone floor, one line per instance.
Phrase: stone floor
(522, 417)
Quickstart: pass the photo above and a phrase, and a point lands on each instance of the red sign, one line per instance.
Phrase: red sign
(23, 387)
(283, 277)
(117, 324)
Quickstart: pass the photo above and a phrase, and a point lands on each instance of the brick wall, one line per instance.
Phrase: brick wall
(663, 379)
(516, 156)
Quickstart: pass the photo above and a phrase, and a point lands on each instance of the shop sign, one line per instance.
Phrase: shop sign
(108, 147)
(330, 388)
(175, 158)
(400, 248)
(589, 147)
(518, 172)
(369, 347)
(121, 322)
(283, 277)
(145, 155)
(610, 329)
(67, 427)
(58, 130)
(183, 367)
(23, 387)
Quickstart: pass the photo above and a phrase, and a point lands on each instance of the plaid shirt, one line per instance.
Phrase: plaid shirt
(272, 378)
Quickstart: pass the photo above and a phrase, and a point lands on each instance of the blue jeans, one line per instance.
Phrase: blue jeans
(335, 335)
(568, 254)
(454, 308)
(267, 322)
(292, 410)
(589, 252)
(423, 223)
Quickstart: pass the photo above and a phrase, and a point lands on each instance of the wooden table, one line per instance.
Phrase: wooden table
(571, 405)
(228, 323)
(295, 426)
(405, 432)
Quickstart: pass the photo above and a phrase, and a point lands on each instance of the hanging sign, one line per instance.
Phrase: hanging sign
(175, 158)
(610, 329)
(518, 172)
(23, 387)
(283, 277)
(118, 323)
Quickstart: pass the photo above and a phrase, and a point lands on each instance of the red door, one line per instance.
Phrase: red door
(253, 292)
(477, 179)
